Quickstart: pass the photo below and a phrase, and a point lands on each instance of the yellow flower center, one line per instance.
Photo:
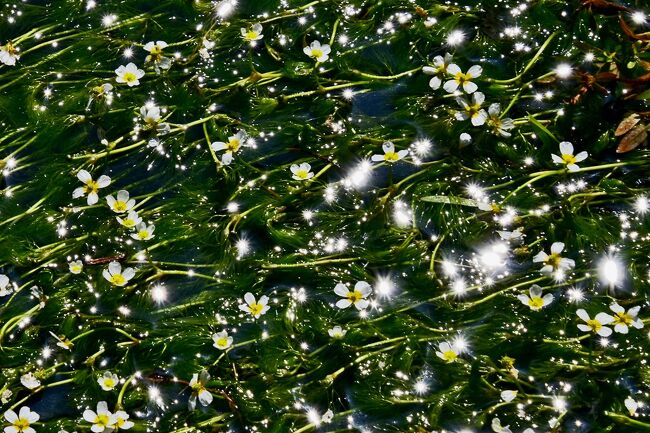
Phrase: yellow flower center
(302, 174)
(21, 424)
(109, 382)
(76, 268)
(128, 222)
(594, 324)
(222, 342)
(449, 355)
(251, 35)
(143, 234)
(354, 297)
(316, 53)
(536, 302)
(623, 319)
(102, 420)
(129, 77)
(568, 158)
(462, 78)
(391, 156)
(118, 279)
(554, 260)
(233, 145)
(91, 186)
(119, 206)
(255, 308)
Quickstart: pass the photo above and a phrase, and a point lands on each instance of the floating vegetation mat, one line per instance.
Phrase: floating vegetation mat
(324, 216)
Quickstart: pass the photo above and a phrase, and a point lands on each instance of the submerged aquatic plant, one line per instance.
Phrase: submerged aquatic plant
(324, 215)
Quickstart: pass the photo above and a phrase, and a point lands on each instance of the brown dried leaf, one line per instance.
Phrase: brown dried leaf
(632, 140)
(626, 124)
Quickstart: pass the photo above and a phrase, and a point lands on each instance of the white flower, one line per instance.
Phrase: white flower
(197, 384)
(62, 342)
(327, 416)
(129, 74)
(554, 262)
(356, 297)
(108, 381)
(337, 332)
(631, 405)
(318, 51)
(255, 308)
(91, 188)
(302, 171)
(5, 288)
(623, 319)
(21, 422)
(438, 69)
(101, 420)
(461, 79)
(234, 144)
(508, 395)
(499, 126)
(143, 232)
(568, 158)
(597, 324)
(9, 54)
(447, 352)
(536, 302)
(473, 110)
(115, 275)
(122, 421)
(131, 220)
(516, 235)
(498, 428)
(155, 55)
(204, 51)
(389, 153)
(253, 34)
(5, 396)
(29, 381)
(122, 203)
(76, 266)
(150, 114)
(221, 340)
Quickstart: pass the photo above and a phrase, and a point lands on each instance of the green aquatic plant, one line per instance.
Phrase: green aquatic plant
(327, 215)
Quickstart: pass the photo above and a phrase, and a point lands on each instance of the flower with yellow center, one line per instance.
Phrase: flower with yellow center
(76, 267)
(131, 220)
(337, 332)
(624, 319)
(390, 155)
(439, 68)
(108, 381)
(91, 187)
(302, 171)
(461, 79)
(222, 340)
(20, 422)
(356, 297)
(155, 55)
(233, 145)
(472, 110)
(122, 203)
(536, 301)
(143, 232)
(116, 276)
(101, 420)
(447, 352)
(199, 391)
(253, 34)
(597, 324)
(317, 51)
(129, 74)
(122, 421)
(9, 54)
(253, 307)
(554, 262)
(567, 157)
